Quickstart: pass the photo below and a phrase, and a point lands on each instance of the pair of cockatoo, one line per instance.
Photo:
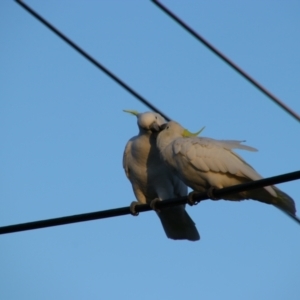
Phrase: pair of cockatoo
(164, 158)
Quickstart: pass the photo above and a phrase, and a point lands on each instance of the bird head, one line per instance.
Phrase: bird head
(172, 131)
(148, 121)
(183, 132)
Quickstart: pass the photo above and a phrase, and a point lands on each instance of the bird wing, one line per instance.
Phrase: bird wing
(126, 157)
(207, 154)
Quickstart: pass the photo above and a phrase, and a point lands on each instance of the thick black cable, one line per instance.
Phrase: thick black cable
(139, 208)
(145, 207)
(92, 60)
(227, 60)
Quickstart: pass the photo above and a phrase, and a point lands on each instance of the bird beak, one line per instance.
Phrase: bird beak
(154, 127)
(162, 127)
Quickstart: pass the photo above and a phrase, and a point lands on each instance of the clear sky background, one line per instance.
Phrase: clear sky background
(63, 133)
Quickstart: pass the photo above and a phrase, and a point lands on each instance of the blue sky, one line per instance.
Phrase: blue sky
(63, 133)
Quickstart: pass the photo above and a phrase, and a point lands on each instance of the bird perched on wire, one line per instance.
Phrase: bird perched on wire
(152, 180)
(205, 164)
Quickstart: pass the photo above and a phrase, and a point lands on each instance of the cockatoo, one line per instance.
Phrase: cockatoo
(205, 164)
(151, 179)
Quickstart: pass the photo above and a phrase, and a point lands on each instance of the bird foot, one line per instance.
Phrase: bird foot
(191, 201)
(153, 204)
(210, 193)
(132, 206)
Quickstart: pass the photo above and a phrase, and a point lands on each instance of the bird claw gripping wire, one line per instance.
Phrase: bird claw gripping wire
(191, 201)
(132, 207)
(210, 193)
(153, 204)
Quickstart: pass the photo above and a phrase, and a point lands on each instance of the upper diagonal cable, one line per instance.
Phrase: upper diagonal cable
(227, 60)
(92, 60)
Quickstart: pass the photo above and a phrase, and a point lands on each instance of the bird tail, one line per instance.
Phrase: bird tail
(281, 200)
(178, 225)
(285, 203)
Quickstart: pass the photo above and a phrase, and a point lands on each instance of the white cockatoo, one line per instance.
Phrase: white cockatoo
(151, 179)
(205, 164)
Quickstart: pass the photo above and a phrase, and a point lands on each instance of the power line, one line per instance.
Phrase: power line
(145, 207)
(92, 60)
(169, 202)
(227, 60)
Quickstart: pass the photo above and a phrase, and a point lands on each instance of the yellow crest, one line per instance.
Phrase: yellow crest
(187, 133)
(133, 112)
